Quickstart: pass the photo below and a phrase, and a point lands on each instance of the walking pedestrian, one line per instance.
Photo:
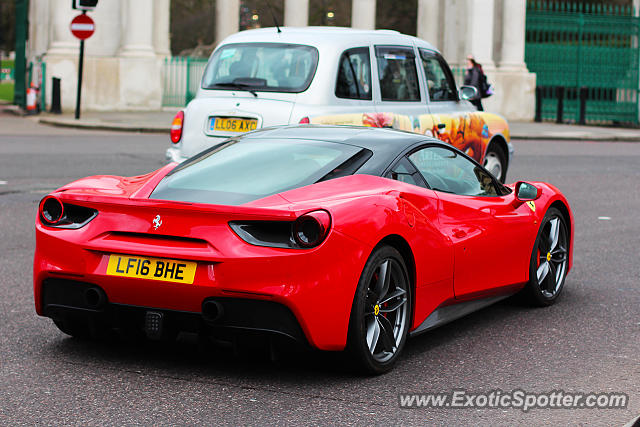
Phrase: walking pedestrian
(475, 77)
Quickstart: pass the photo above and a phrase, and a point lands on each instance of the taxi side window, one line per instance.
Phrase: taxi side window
(450, 172)
(440, 83)
(397, 73)
(354, 74)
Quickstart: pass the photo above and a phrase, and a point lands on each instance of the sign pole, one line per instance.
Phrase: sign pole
(80, 67)
(82, 27)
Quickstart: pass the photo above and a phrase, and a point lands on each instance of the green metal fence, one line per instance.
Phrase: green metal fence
(181, 80)
(586, 59)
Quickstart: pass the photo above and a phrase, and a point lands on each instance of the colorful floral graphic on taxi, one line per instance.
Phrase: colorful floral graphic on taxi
(468, 132)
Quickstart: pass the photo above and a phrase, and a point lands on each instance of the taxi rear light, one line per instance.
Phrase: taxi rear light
(305, 121)
(176, 127)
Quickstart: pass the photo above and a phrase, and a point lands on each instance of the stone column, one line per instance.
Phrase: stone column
(227, 18)
(105, 41)
(454, 32)
(139, 69)
(161, 14)
(363, 14)
(39, 28)
(513, 30)
(138, 28)
(62, 53)
(480, 31)
(296, 13)
(62, 42)
(428, 22)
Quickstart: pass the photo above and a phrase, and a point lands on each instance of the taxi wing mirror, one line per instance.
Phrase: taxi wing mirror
(468, 93)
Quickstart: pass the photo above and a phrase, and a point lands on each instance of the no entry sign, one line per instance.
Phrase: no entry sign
(82, 26)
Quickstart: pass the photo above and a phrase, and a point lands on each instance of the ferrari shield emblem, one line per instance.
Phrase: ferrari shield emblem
(531, 205)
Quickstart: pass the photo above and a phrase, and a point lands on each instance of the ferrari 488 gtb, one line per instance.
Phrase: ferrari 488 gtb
(341, 238)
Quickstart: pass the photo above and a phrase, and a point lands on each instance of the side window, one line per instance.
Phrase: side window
(354, 74)
(445, 170)
(440, 83)
(405, 172)
(397, 73)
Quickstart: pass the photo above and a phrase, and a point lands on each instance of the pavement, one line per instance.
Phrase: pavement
(160, 122)
(589, 341)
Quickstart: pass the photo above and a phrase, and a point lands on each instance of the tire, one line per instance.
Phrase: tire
(549, 261)
(381, 312)
(495, 161)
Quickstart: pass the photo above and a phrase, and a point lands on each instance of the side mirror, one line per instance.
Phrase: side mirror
(526, 192)
(468, 92)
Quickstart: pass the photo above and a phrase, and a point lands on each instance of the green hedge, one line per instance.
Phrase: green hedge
(6, 91)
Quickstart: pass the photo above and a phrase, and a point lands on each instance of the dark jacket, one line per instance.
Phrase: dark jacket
(473, 77)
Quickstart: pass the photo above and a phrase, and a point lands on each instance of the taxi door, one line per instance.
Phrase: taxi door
(400, 98)
(453, 119)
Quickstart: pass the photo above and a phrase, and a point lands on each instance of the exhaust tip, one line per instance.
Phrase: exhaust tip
(94, 298)
(212, 310)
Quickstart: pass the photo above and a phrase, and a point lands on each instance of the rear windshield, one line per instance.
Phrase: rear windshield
(241, 171)
(275, 67)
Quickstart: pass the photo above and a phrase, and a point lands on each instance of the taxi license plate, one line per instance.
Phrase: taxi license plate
(166, 270)
(232, 124)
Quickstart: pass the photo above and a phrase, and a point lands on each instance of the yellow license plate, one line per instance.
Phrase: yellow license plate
(232, 124)
(166, 270)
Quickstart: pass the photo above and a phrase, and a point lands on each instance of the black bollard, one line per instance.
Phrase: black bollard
(55, 96)
(538, 117)
(560, 111)
(583, 105)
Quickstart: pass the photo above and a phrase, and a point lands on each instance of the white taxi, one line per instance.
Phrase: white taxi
(329, 75)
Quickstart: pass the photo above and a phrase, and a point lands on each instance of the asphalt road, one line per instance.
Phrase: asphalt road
(588, 342)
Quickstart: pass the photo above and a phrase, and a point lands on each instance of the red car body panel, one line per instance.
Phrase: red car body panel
(461, 247)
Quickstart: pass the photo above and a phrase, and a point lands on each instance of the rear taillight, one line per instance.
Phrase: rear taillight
(310, 229)
(305, 121)
(55, 213)
(51, 210)
(176, 127)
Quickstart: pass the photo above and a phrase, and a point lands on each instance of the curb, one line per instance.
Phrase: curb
(164, 129)
(118, 127)
(590, 137)
(12, 109)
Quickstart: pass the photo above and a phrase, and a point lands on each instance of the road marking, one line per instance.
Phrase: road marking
(3, 182)
(604, 218)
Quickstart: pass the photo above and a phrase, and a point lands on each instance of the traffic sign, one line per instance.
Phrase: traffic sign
(82, 26)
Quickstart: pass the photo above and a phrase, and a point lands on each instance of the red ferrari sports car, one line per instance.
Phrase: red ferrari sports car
(341, 238)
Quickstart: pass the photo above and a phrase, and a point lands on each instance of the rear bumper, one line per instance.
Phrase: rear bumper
(195, 143)
(63, 298)
(173, 155)
(317, 290)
